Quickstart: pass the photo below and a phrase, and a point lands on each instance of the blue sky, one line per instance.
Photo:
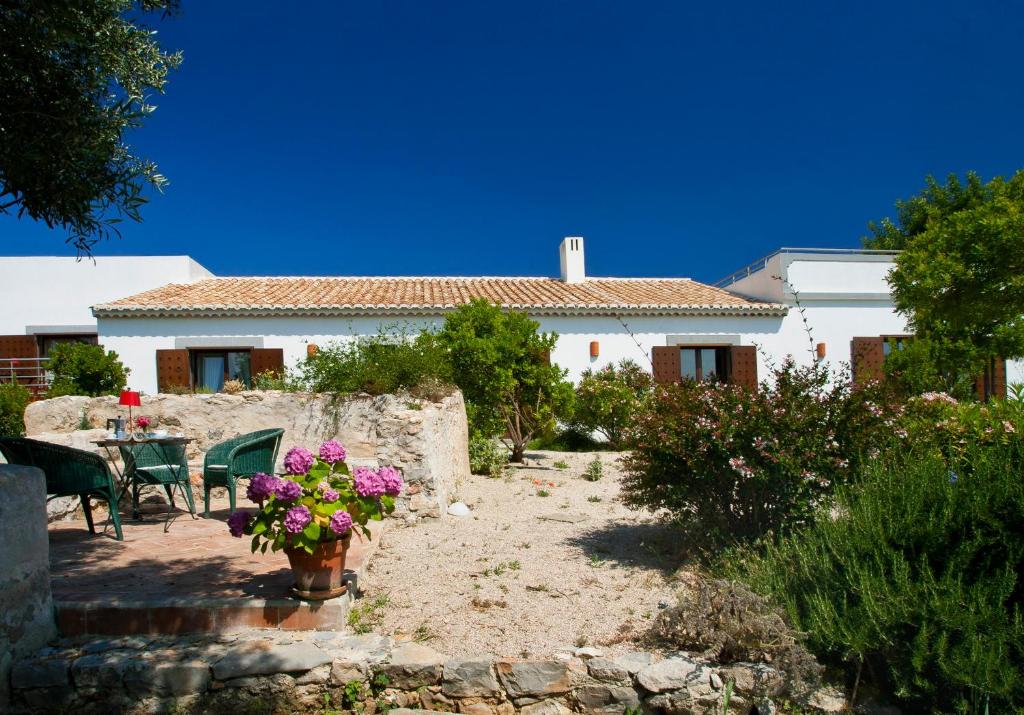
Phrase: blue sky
(467, 138)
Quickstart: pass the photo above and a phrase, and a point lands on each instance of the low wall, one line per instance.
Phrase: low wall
(427, 441)
(333, 672)
(26, 606)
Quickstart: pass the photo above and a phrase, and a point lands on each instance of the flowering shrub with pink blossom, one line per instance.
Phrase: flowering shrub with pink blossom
(732, 463)
(317, 500)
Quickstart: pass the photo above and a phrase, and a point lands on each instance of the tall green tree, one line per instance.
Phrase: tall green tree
(959, 278)
(500, 361)
(75, 77)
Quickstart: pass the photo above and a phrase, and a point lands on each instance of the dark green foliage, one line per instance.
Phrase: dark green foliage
(730, 463)
(389, 362)
(569, 438)
(74, 79)
(916, 574)
(606, 400)
(82, 369)
(13, 399)
(921, 366)
(486, 457)
(501, 362)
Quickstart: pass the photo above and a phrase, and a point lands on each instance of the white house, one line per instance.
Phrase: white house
(190, 328)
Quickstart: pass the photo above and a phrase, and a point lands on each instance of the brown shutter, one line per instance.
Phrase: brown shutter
(18, 346)
(867, 357)
(172, 370)
(665, 361)
(267, 360)
(743, 366)
(992, 382)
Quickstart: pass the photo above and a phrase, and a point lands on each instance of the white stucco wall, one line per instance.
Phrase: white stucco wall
(57, 291)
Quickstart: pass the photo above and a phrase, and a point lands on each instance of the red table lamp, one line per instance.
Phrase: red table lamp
(130, 399)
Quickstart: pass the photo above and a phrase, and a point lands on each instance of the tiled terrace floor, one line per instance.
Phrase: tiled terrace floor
(193, 577)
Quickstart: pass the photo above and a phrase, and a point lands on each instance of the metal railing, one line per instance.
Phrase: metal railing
(30, 373)
(761, 263)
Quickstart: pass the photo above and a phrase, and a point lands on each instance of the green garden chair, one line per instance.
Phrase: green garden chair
(239, 457)
(69, 472)
(154, 464)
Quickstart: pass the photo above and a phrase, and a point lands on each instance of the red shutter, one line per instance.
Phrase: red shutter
(867, 358)
(665, 361)
(18, 346)
(172, 370)
(267, 360)
(743, 366)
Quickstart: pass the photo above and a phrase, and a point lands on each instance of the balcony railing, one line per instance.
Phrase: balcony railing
(30, 373)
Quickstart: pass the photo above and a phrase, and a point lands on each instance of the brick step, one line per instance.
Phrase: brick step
(211, 615)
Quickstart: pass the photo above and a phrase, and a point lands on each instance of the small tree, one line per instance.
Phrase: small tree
(501, 363)
(606, 400)
(13, 399)
(82, 369)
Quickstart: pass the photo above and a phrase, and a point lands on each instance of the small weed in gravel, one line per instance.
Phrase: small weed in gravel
(595, 470)
(561, 464)
(365, 616)
(543, 493)
(594, 499)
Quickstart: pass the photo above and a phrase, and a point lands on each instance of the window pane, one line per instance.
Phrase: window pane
(688, 363)
(211, 372)
(708, 364)
(239, 367)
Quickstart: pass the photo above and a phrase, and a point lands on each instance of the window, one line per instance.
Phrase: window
(48, 342)
(891, 343)
(212, 368)
(707, 364)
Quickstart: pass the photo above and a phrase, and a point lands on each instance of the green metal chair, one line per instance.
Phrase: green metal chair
(154, 464)
(239, 457)
(69, 472)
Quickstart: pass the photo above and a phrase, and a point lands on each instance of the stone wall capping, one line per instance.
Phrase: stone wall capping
(298, 669)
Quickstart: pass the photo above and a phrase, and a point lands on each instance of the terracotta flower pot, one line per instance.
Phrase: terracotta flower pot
(318, 576)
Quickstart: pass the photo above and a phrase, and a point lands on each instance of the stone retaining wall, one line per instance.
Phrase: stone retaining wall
(427, 441)
(330, 672)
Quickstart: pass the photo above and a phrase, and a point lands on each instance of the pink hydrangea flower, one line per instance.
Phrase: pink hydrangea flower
(368, 483)
(296, 519)
(330, 495)
(392, 480)
(341, 523)
(261, 486)
(331, 451)
(237, 523)
(288, 490)
(298, 461)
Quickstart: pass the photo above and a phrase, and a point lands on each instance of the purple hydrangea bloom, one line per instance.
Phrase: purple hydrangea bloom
(298, 461)
(330, 495)
(368, 482)
(261, 486)
(237, 523)
(341, 523)
(392, 480)
(296, 519)
(331, 451)
(288, 490)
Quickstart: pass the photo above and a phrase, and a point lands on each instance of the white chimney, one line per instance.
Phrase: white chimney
(571, 255)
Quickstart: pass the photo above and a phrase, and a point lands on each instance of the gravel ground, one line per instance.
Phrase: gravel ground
(506, 581)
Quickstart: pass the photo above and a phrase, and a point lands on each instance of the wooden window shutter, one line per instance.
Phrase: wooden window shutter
(743, 366)
(992, 382)
(867, 358)
(18, 346)
(665, 361)
(267, 360)
(172, 370)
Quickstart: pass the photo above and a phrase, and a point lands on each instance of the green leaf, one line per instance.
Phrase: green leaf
(259, 527)
(312, 532)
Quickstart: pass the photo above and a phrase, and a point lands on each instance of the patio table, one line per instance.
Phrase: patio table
(113, 445)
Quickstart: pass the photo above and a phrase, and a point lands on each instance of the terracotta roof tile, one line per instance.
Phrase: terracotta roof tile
(347, 296)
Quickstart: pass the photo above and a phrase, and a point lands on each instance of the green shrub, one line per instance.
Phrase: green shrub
(914, 370)
(486, 456)
(277, 380)
(389, 362)
(607, 400)
(566, 439)
(83, 369)
(13, 400)
(916, 575)
(732, 463)
(594, 470)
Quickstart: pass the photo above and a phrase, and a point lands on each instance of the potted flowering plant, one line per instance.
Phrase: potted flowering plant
(311, 511)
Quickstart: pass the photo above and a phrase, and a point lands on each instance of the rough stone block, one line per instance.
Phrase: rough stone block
(412, 666)
(756, 679)
(545, 707)
(470, 677)
(534, 677)
(606, 699)
(40, 674)
(167, 678)
(671, 674)
(607, 670)
(263, 658)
